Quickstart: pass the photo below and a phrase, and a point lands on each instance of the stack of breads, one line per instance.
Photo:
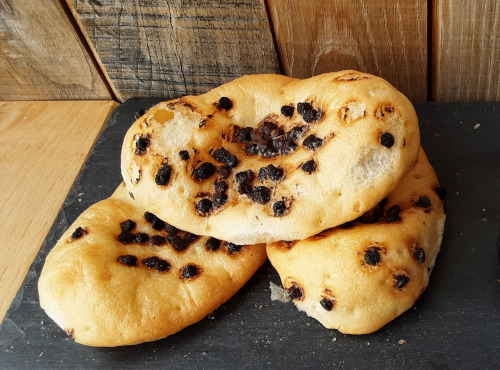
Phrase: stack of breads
(324, 176)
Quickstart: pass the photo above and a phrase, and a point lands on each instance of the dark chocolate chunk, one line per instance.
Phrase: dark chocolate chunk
(372, 256)
(311, 115)
(157, 224)
(148, 216)
(303, 107)
(423, 202)
(225, 103)
(309, 166)
(261, 195)
(162, 265)
(232, 161)
(274, 173)
(252, 149)
(219, 199)
(78, 233)
(220, 187)
(190, 237)
(204, 206)
(223, 171)
(387, 140)
(289, 146)
(177, 242)
(441, 192)
(163, 175)
(392, 214)
(127, 225)
(419, 255)
(172, 230)
(184, 154)
(189, 271)
(287, 110)
(312, 142)
(327, 304)
(294, 291)
(244, 134)
(150, 262)
(204, 171)
(141, 238)
(126, 237)
(268, 127)
(279, 208)
(221, 155)
(257, 136)
(212, 244)
(128, 260)
(263, 174)
(296, 133)
(142, 144)
(245, 188)
(401, 281)
(245, 176)
(231, 247)
(157, 240)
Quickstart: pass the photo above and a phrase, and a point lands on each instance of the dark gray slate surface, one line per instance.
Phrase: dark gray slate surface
(454, 325)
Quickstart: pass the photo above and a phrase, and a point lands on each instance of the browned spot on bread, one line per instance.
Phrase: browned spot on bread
(286, 245)
(351, 111)
(350, 76)
(383, 110)
(162, 116)
(71, 333)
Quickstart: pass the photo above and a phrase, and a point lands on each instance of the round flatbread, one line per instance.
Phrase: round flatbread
(269, 157)
(358, 277)
(120, 275)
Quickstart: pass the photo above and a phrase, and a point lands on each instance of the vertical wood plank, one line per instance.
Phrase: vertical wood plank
(167, 48)
(466, 50)
(42, 56)
(387, 38)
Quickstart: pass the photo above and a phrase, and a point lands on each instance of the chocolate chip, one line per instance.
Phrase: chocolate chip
(204, 171)
(177, 242)
(162, 265)
(327, 304)
(401, 281)
(172, 230)
(245, 176)
(212, 244)
(441, 192)
(231, 247)
(150, 262)
(268, 127)
(279, 208)
(245, 188)
(190, 237)
(127, 225)
(220, 187)
(296, 132)
(78, 233)
(372, 256)
(223, 172)
(204, 206)
(219, 199)
(189, 271)
(274, 173)
(252, 149)
(163, 175)
(149, 216)
(294, 291)
(142, 144)
(303, 107)
(157, 240)
(311, 115)
(221, 155)
(387, 140)
(419, 255)
(128, 260)
(157, 224)
(423, 202)
(184, 154)
(225, 103)
(261, 195)
(263, 174)
(289, 146)
(392, 214)
(244, 134)
(126, 237)
(312, 142)
(287, 110)
(309, 166)
(232, 161)
(141, 238)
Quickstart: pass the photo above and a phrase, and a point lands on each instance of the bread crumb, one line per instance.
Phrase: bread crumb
(476, 126)
(278, 293)
(402, 341)
(334, 339)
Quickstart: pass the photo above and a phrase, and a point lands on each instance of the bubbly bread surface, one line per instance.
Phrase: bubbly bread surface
(358, 277)
(268, 157)
(121, 276)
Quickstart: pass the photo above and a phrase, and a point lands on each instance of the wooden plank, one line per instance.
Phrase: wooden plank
(42, 57)
(167, 48)
(466, 50)
(42, 149)
(387, 38)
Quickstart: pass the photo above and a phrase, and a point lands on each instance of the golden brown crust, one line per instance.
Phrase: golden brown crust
(361, 134)
(91, 292)
(358, 277)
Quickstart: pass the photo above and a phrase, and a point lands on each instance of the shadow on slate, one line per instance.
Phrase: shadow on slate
(454, 325)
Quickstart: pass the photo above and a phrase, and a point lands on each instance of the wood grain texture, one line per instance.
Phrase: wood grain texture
(167, 48)
(42, 56)
(42, 149)
(386, 38)
(466, 50)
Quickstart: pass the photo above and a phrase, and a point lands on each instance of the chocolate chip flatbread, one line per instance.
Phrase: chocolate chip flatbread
(269, 157)
(358, 277)
(120, 275)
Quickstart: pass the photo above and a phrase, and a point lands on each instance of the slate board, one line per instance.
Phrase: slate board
(454, 325)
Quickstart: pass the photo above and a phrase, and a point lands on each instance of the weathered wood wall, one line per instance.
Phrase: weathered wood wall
(440, 50)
